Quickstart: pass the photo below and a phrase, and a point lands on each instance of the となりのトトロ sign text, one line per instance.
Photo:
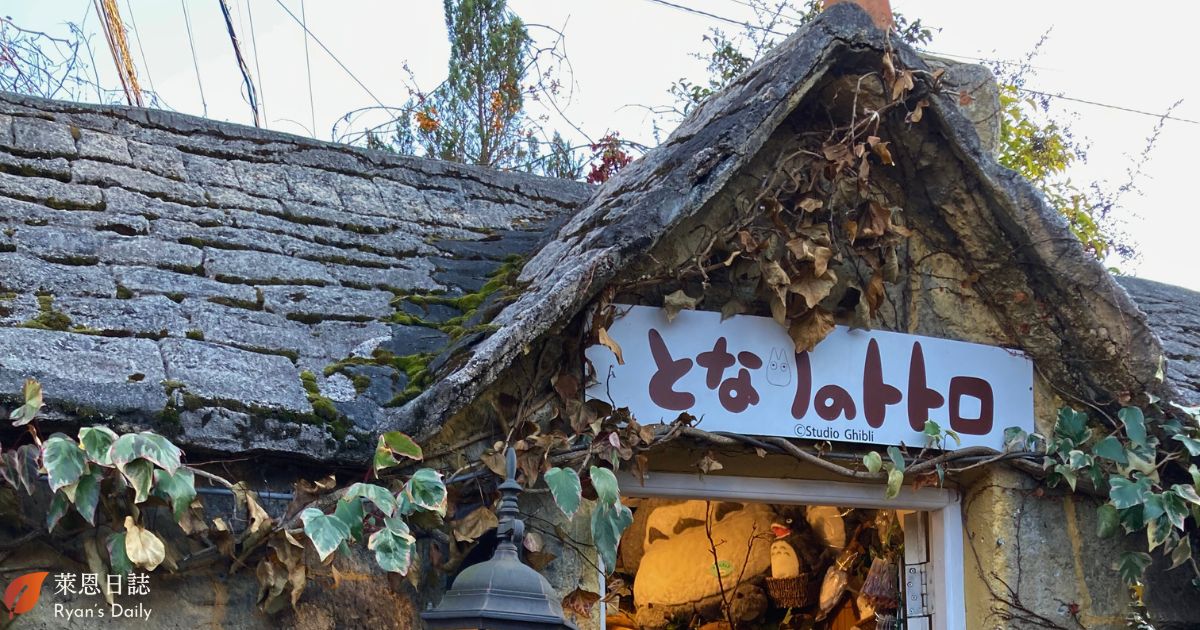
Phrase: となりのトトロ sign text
(743, 375)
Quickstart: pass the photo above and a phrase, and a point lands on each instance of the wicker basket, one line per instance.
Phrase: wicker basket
(790, 592)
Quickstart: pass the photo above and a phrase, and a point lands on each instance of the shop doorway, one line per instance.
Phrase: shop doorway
(787, 553)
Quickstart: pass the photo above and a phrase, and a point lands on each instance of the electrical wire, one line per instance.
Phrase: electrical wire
(312, 112)
(187, 20)
(237, 53)
(262, 92)
(333, 56)
(1162, 116)
(141, 51)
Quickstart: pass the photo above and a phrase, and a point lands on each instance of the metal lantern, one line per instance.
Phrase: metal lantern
(502, 593)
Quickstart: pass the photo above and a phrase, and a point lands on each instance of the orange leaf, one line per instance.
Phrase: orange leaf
(22, 594)
(611, 344)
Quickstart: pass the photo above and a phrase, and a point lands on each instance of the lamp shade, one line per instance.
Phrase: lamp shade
(502, 593)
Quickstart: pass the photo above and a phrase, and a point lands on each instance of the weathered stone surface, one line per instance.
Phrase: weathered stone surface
(151, 316)
(257, 330)
(51, 192)
(386, 383)
(22, 274)
(160, 160)
(35, 135)
(170, 283)
(1174, 314)
(399, 278)
(121, 200)
(103, 146)
(432, 313)
(18, 308)
(406, 340)
(219, 373)
(468, 276)
(224, 431)
(54, 168)
(264, 268)
(149, 251)
(336, 340)
(98, 373)
(107, 175)
(318, 303)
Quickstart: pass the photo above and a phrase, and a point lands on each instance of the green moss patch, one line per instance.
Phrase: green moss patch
(48, 318)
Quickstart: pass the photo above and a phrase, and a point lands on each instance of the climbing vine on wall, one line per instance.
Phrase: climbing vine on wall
(108, 485)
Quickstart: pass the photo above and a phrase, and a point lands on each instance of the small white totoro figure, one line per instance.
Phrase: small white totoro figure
(784, 561)
(779, 367)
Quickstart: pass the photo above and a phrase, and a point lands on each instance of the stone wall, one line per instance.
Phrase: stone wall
(181, 274)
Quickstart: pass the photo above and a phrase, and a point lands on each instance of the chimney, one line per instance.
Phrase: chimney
(879, 10)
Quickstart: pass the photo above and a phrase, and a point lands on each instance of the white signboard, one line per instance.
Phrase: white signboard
(743, 375)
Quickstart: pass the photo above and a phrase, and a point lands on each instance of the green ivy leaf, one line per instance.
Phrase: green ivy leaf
(1181, 553)
(1078, 460)
(179, 487)
(1153, 507)
(605, 482)
(609, 520)
(1014, 437)
(1132, 565)
(894, 482)
(96, 442)
(351, 513)
(1157, 531)
(426, 491)
(1191, 444)
(1187, 493)
(1067, 473)
(1135, 424)
(873, 461)
(1110, 448)
(392, 546)
(145, 445)
(933, 430)
(377, 495)
(1107, 520)
(58, 509)
(393, 444)
(118, 558)
(32, 393)
(1125, 493)
(327, 532)
(87, 496)
(1072, 426)
(897, 457)
(566, 489)
(1131, 519)
(1176, 508)
(65, 462)
(140, 474)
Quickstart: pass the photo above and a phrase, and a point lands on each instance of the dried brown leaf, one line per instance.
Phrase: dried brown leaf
(608, 342)
(874, 219)
(874, 292)
(810, 204)
(731, 308)
(808, 330)
(814, 289)
(475, 524)
(566, 385)
(880, 148)
(539, 559)
(678, 301)
(903, 83)
(708, 464)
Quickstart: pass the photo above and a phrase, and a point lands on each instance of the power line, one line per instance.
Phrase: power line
(237, 53)
(141, 51)
(714, 16)
(330, 53)
(262, 92)
(312, 110)
(1163, 116)
(187, 20)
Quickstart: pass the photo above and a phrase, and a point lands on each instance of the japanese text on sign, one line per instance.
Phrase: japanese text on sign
(877, 387)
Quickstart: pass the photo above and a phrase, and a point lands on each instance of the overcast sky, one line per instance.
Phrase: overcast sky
(625, 53)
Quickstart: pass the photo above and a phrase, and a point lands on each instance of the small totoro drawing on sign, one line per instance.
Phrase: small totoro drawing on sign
(779, 368)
